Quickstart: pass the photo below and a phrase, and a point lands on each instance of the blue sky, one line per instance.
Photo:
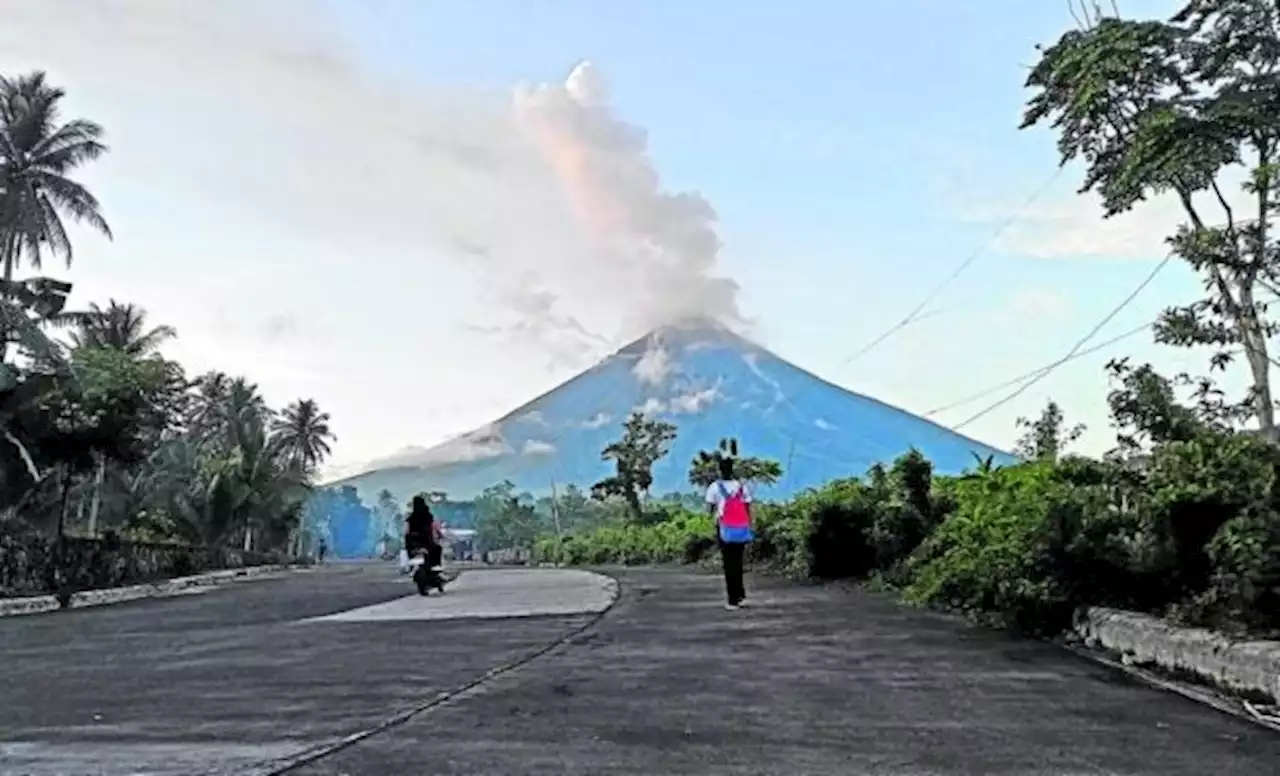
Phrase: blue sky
(855, 153)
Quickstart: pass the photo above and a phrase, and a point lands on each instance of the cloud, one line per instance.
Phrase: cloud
(1073, 227)
(652, 406)
(482, 443)
(824, 424)
(535, 417)
(653, 365)
(543, 191)
(537, 447)
(694, 401)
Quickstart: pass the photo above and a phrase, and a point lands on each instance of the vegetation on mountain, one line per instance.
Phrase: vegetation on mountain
(100, 432)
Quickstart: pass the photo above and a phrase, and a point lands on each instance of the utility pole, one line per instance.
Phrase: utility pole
(555, 508)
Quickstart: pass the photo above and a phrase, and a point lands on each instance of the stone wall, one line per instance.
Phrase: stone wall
(30, 565)
(1250, 668)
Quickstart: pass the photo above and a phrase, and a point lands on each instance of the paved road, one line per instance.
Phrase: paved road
(810, 681)
(220, 681)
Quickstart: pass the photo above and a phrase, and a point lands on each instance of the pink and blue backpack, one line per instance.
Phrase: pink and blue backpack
(735, 520)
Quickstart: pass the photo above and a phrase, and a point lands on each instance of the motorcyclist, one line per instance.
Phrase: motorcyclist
(422, 534)
(419, 526)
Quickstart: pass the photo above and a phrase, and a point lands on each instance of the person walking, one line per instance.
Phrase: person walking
(729, 502)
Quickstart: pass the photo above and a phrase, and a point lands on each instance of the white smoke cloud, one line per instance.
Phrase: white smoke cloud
(545, 192)
(482, 443)
(695, 401)
(662, 248)
(653, 365)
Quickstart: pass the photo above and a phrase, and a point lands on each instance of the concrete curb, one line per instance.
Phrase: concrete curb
(1214, 699)
(1244, 667)
(13, 607)
(1224, 673)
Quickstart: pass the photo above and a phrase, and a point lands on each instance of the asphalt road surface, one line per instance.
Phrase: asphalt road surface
(810, 680)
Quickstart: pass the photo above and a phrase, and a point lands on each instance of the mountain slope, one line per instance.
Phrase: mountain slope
(708, 381)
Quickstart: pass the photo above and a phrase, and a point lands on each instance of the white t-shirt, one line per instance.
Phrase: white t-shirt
(716, 498)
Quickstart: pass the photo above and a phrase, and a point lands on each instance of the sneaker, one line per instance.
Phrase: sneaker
(742, 604)
(731, 607)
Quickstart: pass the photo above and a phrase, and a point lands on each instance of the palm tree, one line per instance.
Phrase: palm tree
(120, 326)
(303, 431)
(36, 156)
(219, 400)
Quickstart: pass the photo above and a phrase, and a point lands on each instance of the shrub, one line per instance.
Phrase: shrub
(677, 539)
(1004, 550)
(905, 512)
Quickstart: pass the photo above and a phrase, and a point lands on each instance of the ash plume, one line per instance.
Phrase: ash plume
(545, 192)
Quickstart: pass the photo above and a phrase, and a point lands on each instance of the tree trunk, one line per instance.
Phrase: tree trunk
(23, 453)
(8, 255)
(1255, 350)
(99, 474)
(248, 539)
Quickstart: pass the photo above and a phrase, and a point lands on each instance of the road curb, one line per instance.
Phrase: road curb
(1203, 695)
(16, 607)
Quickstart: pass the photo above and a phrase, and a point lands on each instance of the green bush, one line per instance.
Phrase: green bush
(1006, 547)
(674, 540)
(1193, 530)
(906, 512)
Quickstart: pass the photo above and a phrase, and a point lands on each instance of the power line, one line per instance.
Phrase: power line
(1037, 372)
(1075, 350)
(914, 316)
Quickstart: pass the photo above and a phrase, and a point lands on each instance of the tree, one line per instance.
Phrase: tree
(1145, 409)
(643, 443)
(705, 468)
(121, 326)
(1177, 108)
(37, 154)
(304, 434)
(505, 520)
(1046, 437)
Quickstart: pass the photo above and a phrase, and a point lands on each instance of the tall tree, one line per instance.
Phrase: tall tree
(120, 326)
(644, 441)
(1183, 107)
(505, 520)
(37, 156)
(304, 434)
(1046, 437)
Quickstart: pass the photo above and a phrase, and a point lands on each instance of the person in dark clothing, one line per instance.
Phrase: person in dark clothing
(419, 528)
(729, 503)
(422, 532)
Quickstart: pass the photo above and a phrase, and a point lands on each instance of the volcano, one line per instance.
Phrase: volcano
(708, 381)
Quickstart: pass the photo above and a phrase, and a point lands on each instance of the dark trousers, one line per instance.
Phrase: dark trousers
(731, 556)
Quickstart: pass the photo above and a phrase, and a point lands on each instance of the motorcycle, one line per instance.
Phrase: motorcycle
(425, 576)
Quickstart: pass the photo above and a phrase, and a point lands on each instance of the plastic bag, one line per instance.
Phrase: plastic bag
(404, 561)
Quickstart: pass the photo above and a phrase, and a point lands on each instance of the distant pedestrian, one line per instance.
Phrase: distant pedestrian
(729, 502)
(322, 550)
